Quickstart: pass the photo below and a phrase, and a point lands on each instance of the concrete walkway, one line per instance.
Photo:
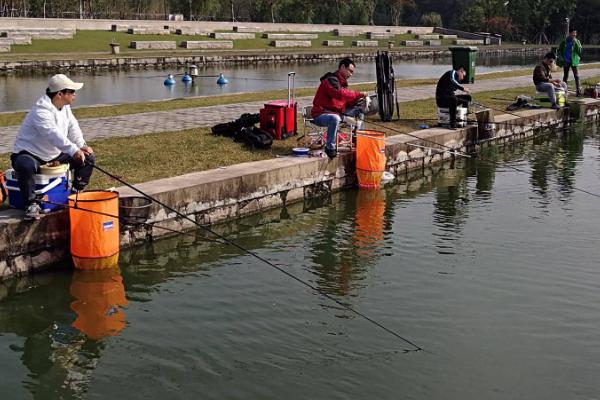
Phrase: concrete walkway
(188, 118)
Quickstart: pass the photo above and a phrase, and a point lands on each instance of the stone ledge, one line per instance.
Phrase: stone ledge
(153, 45)
(467, 41)
(247, 29)
(291, 43)
(290, 36)
(428, 37)
(232, 35)
(207, 44)
(433, 42)
(411, 43)
(333, 43)
(365, 43)
(379, 35)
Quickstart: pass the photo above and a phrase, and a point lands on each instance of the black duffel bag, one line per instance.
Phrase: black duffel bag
(231, 129)
(255, 137)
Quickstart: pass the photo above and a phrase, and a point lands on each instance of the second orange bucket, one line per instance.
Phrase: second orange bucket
(370, 158)
(93, 235)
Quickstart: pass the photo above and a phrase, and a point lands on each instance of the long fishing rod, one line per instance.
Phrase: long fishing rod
(264, 260)
(124, 220)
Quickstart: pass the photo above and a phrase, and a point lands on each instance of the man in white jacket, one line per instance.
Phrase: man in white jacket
(49, 133)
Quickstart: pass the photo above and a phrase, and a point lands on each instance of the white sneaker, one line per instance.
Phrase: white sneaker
(32, 212)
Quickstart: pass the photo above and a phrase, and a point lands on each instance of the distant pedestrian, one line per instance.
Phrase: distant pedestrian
(569, 55)
(50, 133)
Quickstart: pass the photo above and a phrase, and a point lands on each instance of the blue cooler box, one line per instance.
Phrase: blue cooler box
(54, 188)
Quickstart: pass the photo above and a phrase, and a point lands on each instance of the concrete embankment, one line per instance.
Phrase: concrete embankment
(221, 195)
(127, 62)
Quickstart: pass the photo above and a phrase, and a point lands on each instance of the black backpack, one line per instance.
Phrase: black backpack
(255, 137)
(231, 129)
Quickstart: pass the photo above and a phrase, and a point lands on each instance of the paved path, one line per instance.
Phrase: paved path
(188, 118)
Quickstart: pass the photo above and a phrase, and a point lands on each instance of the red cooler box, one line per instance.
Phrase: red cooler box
(279, 117)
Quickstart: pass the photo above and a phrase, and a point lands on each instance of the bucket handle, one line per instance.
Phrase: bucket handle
(51, 186)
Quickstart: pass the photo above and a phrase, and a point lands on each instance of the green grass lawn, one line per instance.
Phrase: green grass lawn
(87, 41)
(143, 158)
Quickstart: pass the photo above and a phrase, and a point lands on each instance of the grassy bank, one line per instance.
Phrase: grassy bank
(90, 41)
(143, 158)
(8, 119)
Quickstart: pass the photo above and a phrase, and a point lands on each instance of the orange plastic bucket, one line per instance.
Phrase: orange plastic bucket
(99, 301)
(370, 158)
(94, 237)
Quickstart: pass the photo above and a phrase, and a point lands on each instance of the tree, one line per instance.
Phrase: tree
(432, 19)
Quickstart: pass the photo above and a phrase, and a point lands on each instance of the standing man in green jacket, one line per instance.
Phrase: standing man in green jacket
(569, 54)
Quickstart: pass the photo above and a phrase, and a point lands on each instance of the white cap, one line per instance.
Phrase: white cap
(60, 82)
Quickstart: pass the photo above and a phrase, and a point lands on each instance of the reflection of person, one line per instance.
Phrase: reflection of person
(569, 54)
(445, 96)
(50, 133)
(543, 81)
(334, 100)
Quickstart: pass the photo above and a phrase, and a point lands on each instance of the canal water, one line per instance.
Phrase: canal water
(136, 85)
(491, 268)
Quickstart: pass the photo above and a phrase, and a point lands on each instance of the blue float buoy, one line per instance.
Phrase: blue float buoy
(186, 78)
(169, 81)
(222, 80)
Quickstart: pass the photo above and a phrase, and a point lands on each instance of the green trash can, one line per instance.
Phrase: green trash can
(464, 57)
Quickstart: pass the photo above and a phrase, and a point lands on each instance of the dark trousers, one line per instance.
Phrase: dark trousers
(451, 102)
(26, 165)
(575, 75)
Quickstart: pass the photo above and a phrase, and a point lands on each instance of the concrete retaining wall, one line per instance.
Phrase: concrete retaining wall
(225, 194)
(128, 62)
(105, 24)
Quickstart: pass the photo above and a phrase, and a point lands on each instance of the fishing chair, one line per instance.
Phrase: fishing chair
(315, 136)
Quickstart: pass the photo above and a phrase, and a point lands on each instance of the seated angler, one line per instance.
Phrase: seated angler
(445, 96)
(543, 81)
(50, 133)
(333, 101)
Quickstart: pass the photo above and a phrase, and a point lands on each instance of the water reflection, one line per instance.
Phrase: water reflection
(99, 302)
(555, 160)
(59, 325)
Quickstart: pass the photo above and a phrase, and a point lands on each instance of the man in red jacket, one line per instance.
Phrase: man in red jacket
(333, 101)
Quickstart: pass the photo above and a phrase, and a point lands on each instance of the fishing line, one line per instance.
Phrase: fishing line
(264, 260)
(125, 220)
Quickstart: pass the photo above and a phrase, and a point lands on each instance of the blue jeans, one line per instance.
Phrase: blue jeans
(332, 123)
(549, 89)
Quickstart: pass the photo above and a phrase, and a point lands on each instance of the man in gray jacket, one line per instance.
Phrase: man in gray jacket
(50, 133)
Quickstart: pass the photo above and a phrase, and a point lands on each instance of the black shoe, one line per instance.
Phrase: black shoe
(452, 126)
(331, 153)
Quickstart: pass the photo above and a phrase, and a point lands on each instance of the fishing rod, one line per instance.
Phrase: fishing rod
(124, 220)
(264, 260)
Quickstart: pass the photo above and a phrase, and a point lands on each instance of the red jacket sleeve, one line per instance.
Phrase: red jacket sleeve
(347, 96)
